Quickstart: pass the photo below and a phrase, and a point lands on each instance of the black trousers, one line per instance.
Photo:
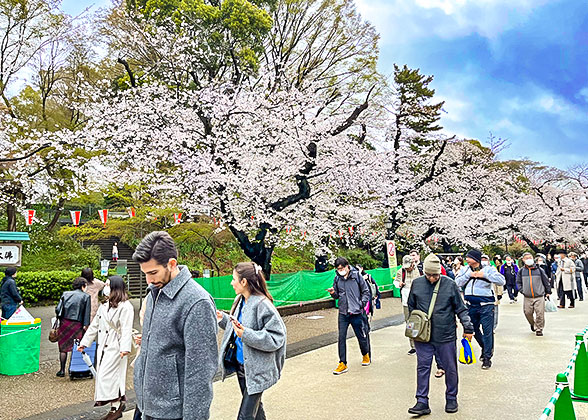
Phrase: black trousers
(570, 295)
(360, 328)
(251, 406)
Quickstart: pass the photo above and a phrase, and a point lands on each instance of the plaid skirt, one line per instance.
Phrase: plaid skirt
(68, 332)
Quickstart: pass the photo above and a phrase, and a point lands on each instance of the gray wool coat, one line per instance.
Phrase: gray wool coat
(264, 342)
(178, 359)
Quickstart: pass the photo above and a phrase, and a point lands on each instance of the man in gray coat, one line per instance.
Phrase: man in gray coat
(178, 359)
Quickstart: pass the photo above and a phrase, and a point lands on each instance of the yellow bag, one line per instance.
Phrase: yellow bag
(466, 354)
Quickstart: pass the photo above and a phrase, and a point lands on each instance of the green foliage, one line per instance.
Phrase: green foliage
(414, 110)
(48, 251)
(361, 257)
(43, 286)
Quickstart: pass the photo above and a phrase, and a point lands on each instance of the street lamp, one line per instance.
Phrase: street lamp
(388, 226)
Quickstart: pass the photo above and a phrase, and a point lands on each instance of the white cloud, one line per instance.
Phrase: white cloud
(401, 20)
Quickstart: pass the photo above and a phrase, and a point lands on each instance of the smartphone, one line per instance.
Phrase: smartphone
(234, 319)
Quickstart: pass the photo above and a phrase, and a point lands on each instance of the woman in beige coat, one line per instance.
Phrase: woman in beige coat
(113, 326)
(565, 277)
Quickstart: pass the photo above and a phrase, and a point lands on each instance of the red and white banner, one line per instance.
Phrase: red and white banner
(103, 216)
(132, 212)
(76, 216)
(178, 218)
(29, 216)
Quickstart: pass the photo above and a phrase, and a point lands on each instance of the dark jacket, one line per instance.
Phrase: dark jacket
(9, 292)
(533, 282)
(76, 306)
(352, 292)
(449, 304)
(179, 354)
(509, 272)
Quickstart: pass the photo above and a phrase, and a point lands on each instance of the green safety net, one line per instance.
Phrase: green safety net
(20, 347)
(294, 288)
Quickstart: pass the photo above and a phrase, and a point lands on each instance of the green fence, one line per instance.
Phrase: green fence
(293, 288)
(560, 402)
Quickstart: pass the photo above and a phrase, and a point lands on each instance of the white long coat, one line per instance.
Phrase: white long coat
(566, 274)
(111, 369)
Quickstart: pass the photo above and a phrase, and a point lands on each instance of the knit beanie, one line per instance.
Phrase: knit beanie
(474, 254)
(432, 264)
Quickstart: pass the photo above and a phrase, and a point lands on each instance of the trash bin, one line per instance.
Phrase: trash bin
(20, 347)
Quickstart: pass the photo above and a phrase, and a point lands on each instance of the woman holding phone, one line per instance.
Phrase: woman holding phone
(254, 343)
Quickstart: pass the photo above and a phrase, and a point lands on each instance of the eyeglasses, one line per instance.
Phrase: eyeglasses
(432, 276)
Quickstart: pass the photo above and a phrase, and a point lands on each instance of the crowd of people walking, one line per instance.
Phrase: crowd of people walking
(178, 354)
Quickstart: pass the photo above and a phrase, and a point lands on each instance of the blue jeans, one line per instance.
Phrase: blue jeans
(446, 353)
(360, 328)
(8, 310)
(483, 316)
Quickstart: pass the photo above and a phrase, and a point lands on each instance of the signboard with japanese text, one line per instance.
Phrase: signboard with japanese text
(10, 254)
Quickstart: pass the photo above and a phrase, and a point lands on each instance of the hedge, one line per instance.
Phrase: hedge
(39, 286)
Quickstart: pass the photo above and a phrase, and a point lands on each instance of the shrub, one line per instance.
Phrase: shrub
(40, 286)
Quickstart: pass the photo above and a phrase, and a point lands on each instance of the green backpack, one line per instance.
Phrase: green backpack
(418, 325)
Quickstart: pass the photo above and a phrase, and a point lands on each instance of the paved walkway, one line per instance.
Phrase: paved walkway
(517, 387)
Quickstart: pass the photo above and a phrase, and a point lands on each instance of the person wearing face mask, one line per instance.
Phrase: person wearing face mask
(541, 261)
(498, 290)
(403, 281)
(477, 283)
(510, 270)
(353, 294)
(179, 355)
(566, 280)
(579, 274)
(534, 285)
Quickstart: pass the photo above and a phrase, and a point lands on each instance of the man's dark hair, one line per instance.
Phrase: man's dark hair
(341, 262)
(158, 246)
(79, 282)
(10, 271)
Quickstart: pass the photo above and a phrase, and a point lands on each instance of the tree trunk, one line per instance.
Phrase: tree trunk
(57, 215)
(11, 217)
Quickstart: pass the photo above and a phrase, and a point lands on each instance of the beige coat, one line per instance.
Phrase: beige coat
(566, 275)
(113, 327)
(93, 290)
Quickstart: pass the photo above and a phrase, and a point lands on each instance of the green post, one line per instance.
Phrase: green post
(564, 409)
(581, 371)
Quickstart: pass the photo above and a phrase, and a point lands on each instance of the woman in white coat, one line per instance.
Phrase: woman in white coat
(566, 280)
(113, 326)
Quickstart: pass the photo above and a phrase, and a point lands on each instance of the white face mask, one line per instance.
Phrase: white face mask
(106, 290)
(509, 263)
(341, 273)
(529, 261)
(485, 263)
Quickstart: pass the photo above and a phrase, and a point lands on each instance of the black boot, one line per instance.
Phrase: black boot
(451, 406)
(420, 409)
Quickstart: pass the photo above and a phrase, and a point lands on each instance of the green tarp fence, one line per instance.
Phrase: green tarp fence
(20, 347)
(294, 288)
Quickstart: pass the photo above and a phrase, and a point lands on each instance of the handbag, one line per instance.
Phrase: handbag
(466, 354)
(54, 333)
(418, 325)
(230, 356)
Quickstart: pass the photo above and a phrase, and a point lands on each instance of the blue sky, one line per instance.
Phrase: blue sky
(516, 68)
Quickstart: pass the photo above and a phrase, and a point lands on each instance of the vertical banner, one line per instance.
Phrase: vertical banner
(29, 216)
(132, 212)
(392, 260)
(178, 218)
(103, 216)
(76, 216)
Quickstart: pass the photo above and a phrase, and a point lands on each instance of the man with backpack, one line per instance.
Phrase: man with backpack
(353, 294)
(437, 299)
